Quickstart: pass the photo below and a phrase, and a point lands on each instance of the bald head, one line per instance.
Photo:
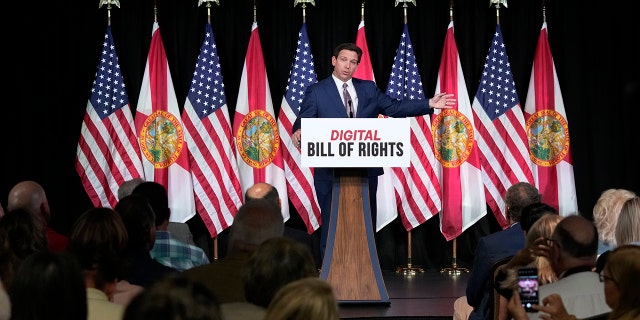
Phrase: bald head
(262, 190)
(29, 196)
(577, 238)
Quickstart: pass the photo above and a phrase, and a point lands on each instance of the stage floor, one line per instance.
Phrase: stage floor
(425, 295)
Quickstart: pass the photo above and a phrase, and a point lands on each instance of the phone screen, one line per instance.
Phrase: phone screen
(528, 287)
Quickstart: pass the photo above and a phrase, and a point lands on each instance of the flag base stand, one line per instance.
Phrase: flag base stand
(454, 270)
(409, 269)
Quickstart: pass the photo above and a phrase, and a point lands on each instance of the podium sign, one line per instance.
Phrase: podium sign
(359, 142)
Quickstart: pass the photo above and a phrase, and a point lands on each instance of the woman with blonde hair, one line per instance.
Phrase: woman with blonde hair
(605, 216)
(305, 299)
(540, 230)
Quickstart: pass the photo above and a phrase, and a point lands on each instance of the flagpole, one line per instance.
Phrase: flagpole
(409, 269)
(213, 246)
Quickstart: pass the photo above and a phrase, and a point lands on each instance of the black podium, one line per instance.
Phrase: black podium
(350, 262)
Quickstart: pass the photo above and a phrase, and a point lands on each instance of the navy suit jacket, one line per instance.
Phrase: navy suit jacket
(323, 100)
(489, 250)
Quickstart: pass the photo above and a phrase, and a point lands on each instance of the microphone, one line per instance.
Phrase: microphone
(350, 108)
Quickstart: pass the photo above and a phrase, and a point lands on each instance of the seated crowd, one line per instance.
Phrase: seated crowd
(125, 262)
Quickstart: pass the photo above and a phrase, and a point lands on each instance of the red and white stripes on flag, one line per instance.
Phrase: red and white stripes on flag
(255, 127)
(385, 196)
(207, 125)
(454, 133)
(548, 132)
(165, 157)
(299, 179)
(417, 187)
(502, 138)
(108, 153)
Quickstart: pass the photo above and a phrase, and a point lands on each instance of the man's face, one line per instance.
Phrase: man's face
(345, 64)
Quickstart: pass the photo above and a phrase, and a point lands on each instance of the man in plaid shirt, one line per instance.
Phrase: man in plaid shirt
(167, 249)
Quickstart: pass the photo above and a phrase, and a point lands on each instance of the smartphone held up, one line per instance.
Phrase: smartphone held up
(528, 287)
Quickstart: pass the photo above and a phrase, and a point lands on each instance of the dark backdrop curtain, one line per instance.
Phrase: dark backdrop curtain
(51, 51)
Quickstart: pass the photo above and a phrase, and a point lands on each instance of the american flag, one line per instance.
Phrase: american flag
(417, 188)
(299, 179)
(108, 152)
(208, 133)
(547, 122)
(504, 152)
(463, 201)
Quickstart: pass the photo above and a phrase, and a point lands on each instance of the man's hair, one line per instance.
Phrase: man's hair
(98, 239)
(519, 196)
(157, 197)
(532, 212)
(577, 236)
(138, 218)
(272, 196)
(347, 46)
(276, 262)
(256, 221)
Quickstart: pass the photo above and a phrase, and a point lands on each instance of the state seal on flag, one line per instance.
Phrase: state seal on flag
(257, 139)
(548, 135)
(453, 138)
(161, 139)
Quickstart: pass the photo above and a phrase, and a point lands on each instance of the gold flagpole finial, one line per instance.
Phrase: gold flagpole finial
(404, 6)
(497, 4)
(109, 3)
(304, 7)
(200, 2)
(208, 5)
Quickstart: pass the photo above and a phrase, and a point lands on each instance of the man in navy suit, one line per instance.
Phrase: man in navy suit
(327, 99)
(494, 247)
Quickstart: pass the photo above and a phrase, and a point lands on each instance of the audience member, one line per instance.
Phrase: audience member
(126, 188)
(605, 216)
(1, 211)
(30, 196)
(506, 279)
(168, 250)
(492, 248)
(174, 297)
(572, 252)
(621, 290)
(276, 262)
(269, 192)
(627, 230)
(256, 221)
(5, 303)
(531, 213)
(48, 285)
(304, 299)
(139, 220)
(22, 234)
(178, 230)
(98, 240)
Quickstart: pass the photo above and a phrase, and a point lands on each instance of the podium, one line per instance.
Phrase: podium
(350, 146)
(350, 262)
